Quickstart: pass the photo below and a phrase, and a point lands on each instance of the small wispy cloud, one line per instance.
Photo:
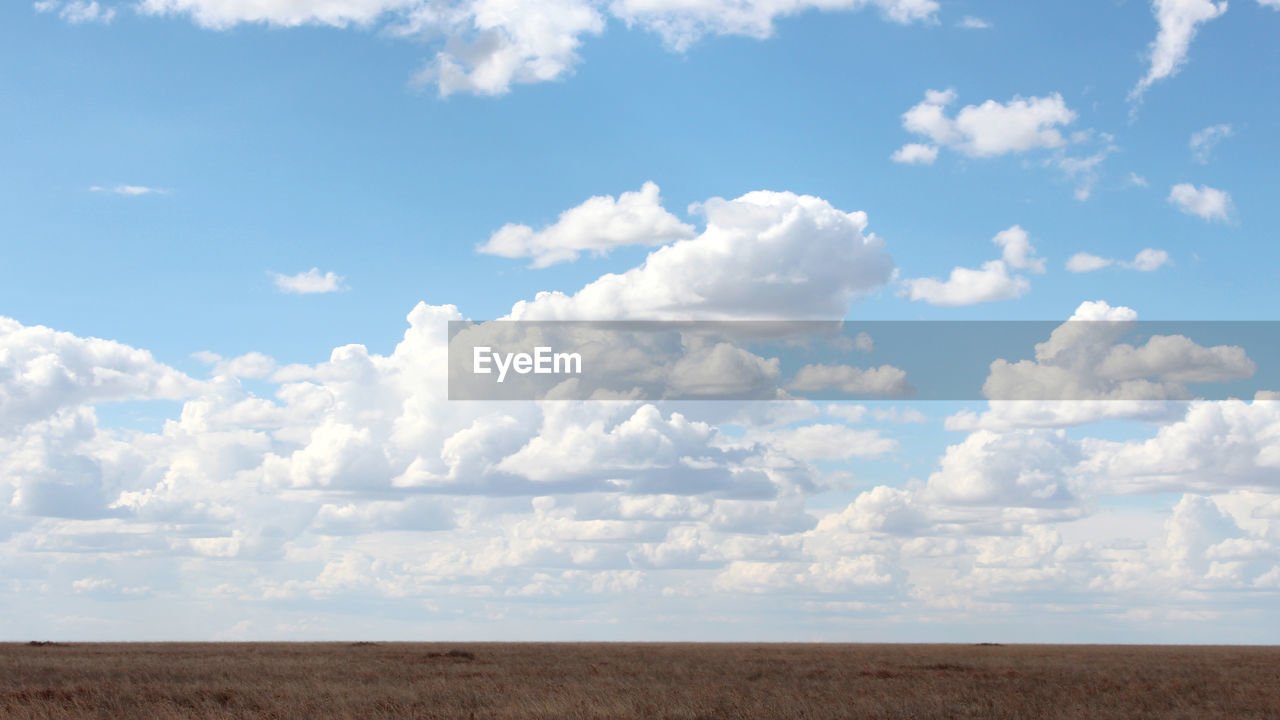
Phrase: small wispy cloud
(1147, 260)
(129, 190)
(969, 22)
(1202, 142)
(311, 282)
(76, 11)
(1083, 171)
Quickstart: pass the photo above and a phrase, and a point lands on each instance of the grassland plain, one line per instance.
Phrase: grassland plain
(371, 681)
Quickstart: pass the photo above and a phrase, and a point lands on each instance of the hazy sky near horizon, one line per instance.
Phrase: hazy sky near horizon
(234, 233)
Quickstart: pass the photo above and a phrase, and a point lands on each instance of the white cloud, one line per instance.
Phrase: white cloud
(829, 442)
(915, 154)
(584, 502)
(129, 190)
(1203, 141)
(1178, 22)
(851, 413)
(884, 380)
(44, 371)
(989, 283)
(881, 509)
(250, 365)
(1083, 360)
(597, 226)
(77, 11)
(493, 44)
(682, 22)
(1270, 3)
(632, 444)
(1019, 468)
(1084, 262)
(992, 128)
(1216, 446)
(967, 286)
(1175, 358)
(765, 255)
(353, 481)
(1018, 251)
(1083, 170)
(223, 14)
(489, 45)
(1147, 260)
(970, 22)
(309, 283)
(718, 369)
(1204, 202)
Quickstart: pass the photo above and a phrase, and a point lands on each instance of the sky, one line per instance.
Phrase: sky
(234, 233)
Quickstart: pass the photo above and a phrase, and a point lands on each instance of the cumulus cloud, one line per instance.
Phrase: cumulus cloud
(311, 282)
(915, 154)
(1147, 260)
(990, 129)
(1204, 202)
(1018, 468)
(969, 22)
(1017, 250)
(492, 45)
(352, 482)
(44, 371)
(373, 489)
(1203, 141)
(1084, 359)
(253, 365)
(1178, 22)
(991, 282)
(765, 255)
(1215, 446)
(597, 226)
(967, 286)
(489, 45)
(885, 380)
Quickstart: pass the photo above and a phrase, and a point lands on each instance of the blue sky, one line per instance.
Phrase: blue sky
(171, 163)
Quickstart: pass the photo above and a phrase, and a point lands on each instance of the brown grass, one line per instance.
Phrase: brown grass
(371, 681)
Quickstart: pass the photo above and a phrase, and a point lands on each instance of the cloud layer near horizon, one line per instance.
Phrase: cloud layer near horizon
(353, 483)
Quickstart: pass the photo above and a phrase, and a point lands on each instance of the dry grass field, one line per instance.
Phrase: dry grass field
(585, 680)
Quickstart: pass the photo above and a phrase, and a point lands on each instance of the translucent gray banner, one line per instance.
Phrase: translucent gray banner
(864, 360)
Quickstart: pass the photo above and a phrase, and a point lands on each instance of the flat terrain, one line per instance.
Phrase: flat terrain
(592, 680)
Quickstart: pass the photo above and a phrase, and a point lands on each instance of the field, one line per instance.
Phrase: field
(595, 680)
